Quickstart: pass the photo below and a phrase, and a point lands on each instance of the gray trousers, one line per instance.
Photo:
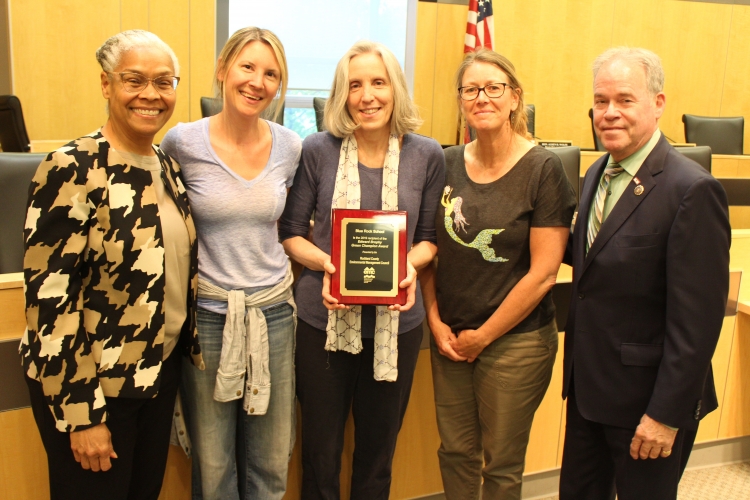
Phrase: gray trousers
(485, 410)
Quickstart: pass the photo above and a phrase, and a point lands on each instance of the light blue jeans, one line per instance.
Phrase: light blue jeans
(236, 455)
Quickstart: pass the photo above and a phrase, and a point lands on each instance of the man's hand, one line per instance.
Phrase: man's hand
(651, 440)
(92, 448)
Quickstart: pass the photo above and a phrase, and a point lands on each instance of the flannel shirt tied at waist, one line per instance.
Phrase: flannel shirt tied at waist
(244, 345)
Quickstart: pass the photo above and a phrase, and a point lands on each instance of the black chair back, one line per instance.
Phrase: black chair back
(211, 106)
(724, 135)
(597, 143)
(13, 136)
(319, 104)
(530, 119)
(699, 154)
(570, 156)
(16, 172)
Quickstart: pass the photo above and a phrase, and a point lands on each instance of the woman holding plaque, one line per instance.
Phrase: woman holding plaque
(501, 237)
(238, 168)
(361, 357)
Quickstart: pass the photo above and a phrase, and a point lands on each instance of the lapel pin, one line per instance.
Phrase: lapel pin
(638, 190)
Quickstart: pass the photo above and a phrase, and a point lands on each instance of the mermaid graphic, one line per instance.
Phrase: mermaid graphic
(483, 239)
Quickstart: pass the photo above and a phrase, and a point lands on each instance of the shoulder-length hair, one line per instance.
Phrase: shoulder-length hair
(518, 119)
(339, 122)
(234, 46)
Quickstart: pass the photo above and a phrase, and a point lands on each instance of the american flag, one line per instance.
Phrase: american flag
(480, 27)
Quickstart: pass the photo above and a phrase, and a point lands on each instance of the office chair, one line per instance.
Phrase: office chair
(530, 117)
(724, 135)
(597, 143)
(319, 104)
(699, 154)
(570, 156)
(13, 136)
(16, 172)
(211, 106)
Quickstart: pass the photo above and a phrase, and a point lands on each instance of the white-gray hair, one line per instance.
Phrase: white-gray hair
(336, 118)
(650, 62)
(111, 51)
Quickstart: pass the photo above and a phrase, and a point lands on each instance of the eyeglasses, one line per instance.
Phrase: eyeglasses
(493, 91)
(135, 83)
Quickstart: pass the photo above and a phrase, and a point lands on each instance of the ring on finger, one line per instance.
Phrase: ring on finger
(666, 453)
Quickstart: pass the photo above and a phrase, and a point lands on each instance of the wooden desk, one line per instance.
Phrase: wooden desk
(721, 165)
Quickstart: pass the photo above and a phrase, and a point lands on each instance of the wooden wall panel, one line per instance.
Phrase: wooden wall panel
(735, 416)
(545, 431)
(55, 73)
(23, 461)
(451, 27)
(692, 39)
(709, 426)
(170, 20)
(135, 15)
(425, 60)
(415, 465)
(202, 53)
(552, 44)
(12, 306)
(734, 100)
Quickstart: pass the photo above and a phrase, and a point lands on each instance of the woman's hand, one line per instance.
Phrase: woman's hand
(410, 283)
(328, 300)
(470, 344)
(444, 337)
(92, 448)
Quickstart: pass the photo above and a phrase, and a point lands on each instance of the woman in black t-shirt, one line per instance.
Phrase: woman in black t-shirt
(501, 237)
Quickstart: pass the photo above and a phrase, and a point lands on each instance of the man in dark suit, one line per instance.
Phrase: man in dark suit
(650, 257)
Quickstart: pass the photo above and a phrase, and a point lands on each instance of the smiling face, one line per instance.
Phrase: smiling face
(484, 113)
(137, 117)
(626, 115)
(370, 100)
(252, 80)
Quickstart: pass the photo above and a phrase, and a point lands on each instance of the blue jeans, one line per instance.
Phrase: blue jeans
(236, 455)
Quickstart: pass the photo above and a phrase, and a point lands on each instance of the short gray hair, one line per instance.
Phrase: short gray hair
(337, 120)
(649, 61)
(111, 51)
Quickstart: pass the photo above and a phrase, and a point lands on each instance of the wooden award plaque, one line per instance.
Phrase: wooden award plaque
(368, 248)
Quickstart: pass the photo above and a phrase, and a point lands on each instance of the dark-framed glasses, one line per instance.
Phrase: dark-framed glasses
(493, 91)
(135, 83)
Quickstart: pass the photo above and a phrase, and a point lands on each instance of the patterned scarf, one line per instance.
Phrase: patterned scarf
(344, 330)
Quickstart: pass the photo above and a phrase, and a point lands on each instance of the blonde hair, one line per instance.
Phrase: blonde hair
(112, 50)
(337, 120)
(518, 118)
(234, 46)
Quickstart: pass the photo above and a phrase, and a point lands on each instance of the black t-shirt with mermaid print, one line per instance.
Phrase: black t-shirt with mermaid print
(483, 235)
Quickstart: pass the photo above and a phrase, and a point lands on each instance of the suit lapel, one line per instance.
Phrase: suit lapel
(629, 200)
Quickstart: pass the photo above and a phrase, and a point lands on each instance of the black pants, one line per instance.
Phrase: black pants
(328, 385)
(597, 463)
(140, 431)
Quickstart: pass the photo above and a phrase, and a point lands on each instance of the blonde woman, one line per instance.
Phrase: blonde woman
(507, 207)
(368, 367)
(237, 169)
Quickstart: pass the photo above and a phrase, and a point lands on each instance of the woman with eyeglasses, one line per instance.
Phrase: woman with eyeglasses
(506, 212)
(238, 168)
(110, 271)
